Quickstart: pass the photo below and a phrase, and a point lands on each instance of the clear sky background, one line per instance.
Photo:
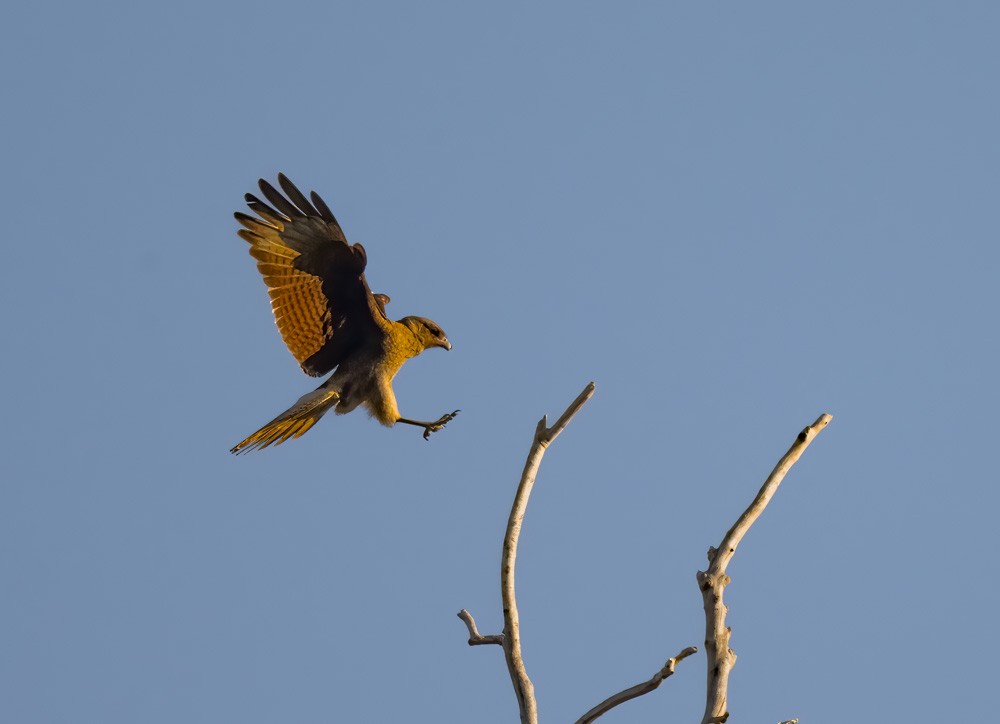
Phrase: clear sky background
(732, 216)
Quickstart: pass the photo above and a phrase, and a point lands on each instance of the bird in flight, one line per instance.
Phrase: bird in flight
(327, 315)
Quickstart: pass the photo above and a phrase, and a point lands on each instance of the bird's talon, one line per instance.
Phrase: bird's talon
(439, 424)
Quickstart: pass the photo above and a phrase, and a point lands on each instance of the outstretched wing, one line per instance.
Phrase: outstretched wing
(321, 301)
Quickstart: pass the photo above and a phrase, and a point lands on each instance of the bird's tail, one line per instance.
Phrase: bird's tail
(293, 422)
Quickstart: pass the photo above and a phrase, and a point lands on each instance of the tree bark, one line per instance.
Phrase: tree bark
(713, 582)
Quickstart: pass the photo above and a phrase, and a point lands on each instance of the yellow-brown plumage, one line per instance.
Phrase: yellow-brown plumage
(296, 297)
(327, 315)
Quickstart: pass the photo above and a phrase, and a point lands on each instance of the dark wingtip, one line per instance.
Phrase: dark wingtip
(296, 196)
(278, 201)
(324, 210)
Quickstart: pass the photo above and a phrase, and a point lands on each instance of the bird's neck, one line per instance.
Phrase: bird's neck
(404, 343)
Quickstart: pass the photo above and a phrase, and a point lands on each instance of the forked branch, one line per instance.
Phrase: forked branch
(475, 638)
(510, 639)
(523, 688)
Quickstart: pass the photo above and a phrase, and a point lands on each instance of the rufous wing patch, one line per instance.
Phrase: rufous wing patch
(301, 310)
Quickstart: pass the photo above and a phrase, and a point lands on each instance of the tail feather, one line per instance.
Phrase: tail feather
(293, 422)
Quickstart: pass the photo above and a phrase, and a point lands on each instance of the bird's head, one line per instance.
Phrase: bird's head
(426, 331)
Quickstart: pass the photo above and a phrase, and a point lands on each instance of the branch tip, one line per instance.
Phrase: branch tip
(638, 690)
(689, 651)
(574, 407)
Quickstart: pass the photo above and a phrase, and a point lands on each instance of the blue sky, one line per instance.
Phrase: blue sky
(732, 217)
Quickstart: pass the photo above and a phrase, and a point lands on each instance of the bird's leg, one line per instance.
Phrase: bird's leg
(430, 427)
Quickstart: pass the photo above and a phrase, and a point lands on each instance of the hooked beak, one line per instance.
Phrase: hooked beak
(444, 343)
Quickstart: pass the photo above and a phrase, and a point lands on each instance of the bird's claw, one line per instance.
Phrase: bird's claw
(439, 424)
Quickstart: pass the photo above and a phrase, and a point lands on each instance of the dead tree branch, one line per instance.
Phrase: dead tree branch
(511, 636)
(713, 582)
(638, 690)
(475, 638)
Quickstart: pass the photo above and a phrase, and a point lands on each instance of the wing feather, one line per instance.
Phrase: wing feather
(273, 217)
(324, 210)
(254, 225)
(277, 200)
(296, 196)
(315, 279)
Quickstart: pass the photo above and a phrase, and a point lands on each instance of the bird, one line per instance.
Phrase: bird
(327, 315)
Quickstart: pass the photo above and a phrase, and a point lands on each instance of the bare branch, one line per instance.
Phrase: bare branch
(574, 407)
(475, 638)
(511, 636)
(789, 721)
(638, 690)
(735, 535)
(713, 582)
